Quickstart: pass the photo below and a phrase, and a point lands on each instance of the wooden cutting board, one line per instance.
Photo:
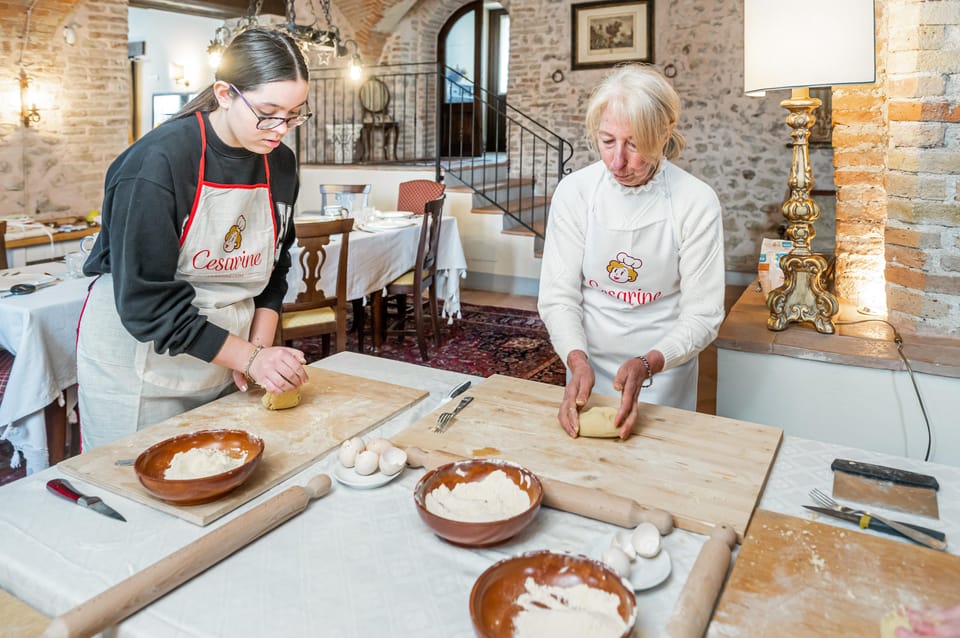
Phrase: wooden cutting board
(797, 577)
(333, 407)
(703, 469)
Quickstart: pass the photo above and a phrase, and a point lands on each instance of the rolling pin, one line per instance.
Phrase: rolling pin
(691, 615)
(132, 594)
(584, 501)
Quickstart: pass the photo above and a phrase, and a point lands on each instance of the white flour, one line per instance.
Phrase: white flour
(567, 612)
(493, 498)
(200, 462)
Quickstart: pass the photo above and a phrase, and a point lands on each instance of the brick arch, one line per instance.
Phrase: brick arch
(415, 36)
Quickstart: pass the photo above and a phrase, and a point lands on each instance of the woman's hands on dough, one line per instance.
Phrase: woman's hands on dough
(943, 622)
(278, 369)
(628, 381)
(577, 391)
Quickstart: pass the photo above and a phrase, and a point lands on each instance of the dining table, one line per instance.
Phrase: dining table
(357, 562)
(40, 330)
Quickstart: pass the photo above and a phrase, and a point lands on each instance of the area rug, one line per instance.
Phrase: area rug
(487, 340)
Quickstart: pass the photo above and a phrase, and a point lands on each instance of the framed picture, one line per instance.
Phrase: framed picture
(607, 33)
(821, 135)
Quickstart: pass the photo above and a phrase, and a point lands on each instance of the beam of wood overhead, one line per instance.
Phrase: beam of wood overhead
(222, 9)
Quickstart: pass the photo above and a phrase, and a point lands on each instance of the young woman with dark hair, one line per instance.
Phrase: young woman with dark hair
(193, 253)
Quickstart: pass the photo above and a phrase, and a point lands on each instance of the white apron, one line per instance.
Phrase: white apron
(631, 290)
(227, 253)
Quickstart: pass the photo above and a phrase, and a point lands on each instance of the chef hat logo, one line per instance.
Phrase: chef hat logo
(627, 260)
(624, 268)
(234, 236)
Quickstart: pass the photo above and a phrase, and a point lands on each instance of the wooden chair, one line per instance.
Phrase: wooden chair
(375, 101)
(3, 245)
(346, 195)
(414, 283)
(413, 195)
(313, 313)
(6, 359)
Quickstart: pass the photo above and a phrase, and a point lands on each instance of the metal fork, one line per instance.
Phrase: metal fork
(443, 421)
(912, 534)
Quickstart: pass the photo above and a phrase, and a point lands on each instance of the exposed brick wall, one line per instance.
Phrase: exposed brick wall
(56, 167)
(923, 166)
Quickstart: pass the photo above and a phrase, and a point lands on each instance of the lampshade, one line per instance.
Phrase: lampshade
(789, 44)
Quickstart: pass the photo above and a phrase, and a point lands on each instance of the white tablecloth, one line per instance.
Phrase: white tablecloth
(40, 329)
(357, 563)
(377, 258)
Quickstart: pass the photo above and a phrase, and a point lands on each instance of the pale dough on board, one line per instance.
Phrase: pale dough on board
(597, 422)
(893, 621)
(282, 401)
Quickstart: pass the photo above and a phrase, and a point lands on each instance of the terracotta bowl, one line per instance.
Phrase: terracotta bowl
(494, 594)
(153, 462)
(469, 471)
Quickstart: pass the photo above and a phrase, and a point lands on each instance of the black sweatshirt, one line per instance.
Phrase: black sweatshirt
(148, 194)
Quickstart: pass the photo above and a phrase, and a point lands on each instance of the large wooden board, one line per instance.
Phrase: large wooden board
(703, 469)
(333, 407)
(796, 577)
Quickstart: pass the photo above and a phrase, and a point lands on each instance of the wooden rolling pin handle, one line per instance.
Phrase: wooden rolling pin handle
(584, 501)
(693, 610)
(132, 594)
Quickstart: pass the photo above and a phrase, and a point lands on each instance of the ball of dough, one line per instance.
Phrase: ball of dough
(282, 401)
(597, 422)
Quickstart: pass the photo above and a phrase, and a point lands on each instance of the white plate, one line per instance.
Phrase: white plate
(349, 477)
(393, 214)
(389, 224)
(645, 573)
(37, 279)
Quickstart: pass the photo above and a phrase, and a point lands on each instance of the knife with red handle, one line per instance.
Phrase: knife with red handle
(62, 488)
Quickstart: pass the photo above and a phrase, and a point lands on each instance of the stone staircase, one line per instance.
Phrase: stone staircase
(495, 192)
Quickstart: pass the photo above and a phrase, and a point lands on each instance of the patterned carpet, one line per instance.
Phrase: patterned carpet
(487, 340)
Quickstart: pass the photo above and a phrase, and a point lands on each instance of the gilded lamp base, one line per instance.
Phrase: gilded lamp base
(802, 297)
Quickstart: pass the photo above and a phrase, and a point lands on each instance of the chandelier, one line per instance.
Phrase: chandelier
(320, 44)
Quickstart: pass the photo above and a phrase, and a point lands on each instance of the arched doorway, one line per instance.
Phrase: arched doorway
(473, 45)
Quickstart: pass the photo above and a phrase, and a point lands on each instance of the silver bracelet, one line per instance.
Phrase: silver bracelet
(246, 371)
(646, 383)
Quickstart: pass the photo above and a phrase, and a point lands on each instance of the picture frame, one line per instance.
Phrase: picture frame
(605, 33)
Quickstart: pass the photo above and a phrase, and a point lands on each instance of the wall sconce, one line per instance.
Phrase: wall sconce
(791, 46)
(29, 113)
(355, 69)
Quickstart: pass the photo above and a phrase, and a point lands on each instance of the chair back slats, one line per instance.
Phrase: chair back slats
(414, 194)
(426, 267)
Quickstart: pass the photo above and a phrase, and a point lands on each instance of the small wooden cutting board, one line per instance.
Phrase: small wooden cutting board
(797, 577)
(703, 469)
(333, 407)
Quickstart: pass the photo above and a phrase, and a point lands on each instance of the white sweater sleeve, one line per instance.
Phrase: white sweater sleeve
(560, 301)
(700, 235)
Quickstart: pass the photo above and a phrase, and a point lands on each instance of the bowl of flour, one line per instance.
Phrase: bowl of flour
(198, 467)
(478, 502)
(544, 594)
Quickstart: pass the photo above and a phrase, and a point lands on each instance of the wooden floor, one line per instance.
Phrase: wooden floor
(707, 383)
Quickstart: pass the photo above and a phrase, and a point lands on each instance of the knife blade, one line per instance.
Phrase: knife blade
(64, 489)
(460, 389)
(877, 525)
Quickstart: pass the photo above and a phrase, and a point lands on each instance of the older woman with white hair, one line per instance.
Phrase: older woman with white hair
(632, 282)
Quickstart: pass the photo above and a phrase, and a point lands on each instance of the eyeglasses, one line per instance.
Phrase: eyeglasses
(268, 123)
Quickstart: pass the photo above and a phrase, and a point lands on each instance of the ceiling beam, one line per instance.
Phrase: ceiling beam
(220, 9)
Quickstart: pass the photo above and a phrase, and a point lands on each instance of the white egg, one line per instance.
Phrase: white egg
(392, 461)
(367, 462)
(349, 450)
(616, 560)
(646, 540)
(379, 445)
(622, 540)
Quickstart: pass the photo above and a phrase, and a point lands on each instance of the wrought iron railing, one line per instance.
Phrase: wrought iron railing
(436, 116)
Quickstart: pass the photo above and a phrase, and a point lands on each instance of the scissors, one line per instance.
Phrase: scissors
(25, 289)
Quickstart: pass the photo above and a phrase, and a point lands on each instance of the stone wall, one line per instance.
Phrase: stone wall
(55, 167)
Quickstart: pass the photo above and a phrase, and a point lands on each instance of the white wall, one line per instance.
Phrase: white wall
(848, 405)
(171, 38)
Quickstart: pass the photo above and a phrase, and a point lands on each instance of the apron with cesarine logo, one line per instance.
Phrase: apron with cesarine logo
(227, 250)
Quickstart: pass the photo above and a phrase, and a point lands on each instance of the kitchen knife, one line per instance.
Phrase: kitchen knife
(874, 524)
(883, 473)
(62, 488)
(460, 389)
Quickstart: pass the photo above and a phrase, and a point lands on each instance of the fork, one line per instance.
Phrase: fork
(443, 421)
(912, 534)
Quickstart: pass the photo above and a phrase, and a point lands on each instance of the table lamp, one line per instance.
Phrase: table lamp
(797, 46)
